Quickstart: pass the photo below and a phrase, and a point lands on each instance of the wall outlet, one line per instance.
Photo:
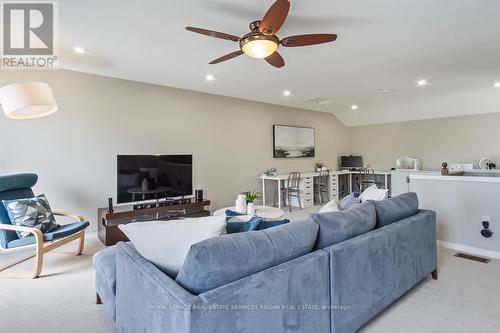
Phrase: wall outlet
(485, 218)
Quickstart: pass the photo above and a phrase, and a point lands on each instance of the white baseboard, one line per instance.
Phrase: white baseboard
(469, 249)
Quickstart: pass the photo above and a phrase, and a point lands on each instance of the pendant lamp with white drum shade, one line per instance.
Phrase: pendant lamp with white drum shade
(27, 100)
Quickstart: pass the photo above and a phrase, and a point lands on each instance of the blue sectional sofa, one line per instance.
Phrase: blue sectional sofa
(332, 273)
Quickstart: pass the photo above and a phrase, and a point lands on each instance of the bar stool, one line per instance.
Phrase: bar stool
(290, 190)
(364, 179)
(321, 185)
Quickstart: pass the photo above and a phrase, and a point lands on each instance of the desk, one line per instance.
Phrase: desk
(306, 185)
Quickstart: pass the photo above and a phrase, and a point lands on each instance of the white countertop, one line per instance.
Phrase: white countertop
(476, 179)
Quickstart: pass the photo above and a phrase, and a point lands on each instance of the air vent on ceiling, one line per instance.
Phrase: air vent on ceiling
(471, 257)
(318, 101)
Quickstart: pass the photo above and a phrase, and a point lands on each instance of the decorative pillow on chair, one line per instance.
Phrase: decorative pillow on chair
(31, 212)
(242, 223)
(348, 202)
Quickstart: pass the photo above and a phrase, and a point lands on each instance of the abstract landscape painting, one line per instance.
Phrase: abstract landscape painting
(293, 142)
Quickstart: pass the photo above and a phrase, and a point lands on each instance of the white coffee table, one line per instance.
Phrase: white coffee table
(265, 212)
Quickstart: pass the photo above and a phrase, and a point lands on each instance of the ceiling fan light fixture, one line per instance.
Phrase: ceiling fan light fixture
(259, 46)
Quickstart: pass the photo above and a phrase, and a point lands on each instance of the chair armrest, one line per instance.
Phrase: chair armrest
(36, 232)
(77, 217)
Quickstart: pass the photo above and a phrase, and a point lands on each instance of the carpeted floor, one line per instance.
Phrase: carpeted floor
(466, 298)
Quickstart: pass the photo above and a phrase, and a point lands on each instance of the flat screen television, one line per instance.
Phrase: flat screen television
(148, 177)
(351, 162)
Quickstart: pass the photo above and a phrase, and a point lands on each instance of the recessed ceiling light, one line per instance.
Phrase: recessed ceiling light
(79, 50)
(209, 77)
(497, 84)
(384, 90)
(354, 107)
(422, 83)
(287, 93)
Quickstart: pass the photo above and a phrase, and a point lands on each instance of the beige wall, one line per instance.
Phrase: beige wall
(463, 139)
(74, 151)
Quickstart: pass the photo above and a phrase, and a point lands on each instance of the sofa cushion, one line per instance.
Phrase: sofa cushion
(166, 243)
(396, 208)
(336, 227)
(242, 223)
(61, 232)
(218, 261)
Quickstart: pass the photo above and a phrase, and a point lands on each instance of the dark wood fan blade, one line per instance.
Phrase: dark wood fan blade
(305, 40)
(215, 34)
(276, 60)
(275, 17)
(226, 57)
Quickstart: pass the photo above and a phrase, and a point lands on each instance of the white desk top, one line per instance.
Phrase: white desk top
(316, 174)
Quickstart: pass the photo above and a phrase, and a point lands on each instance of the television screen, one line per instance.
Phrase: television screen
(351, 162)
(147, 177)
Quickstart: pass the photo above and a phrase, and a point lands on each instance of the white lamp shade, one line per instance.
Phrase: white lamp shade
(27, 100)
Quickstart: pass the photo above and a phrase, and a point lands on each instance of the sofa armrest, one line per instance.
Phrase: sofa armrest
(370, 271)
(146, 298)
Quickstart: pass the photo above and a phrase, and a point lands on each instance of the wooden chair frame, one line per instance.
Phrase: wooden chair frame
(44, 247)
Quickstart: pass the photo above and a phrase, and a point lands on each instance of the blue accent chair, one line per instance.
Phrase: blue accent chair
(19, 186)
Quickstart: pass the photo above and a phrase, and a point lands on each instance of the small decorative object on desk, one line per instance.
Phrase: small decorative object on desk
(444, 170)
(271, 172)
(318, 166)
(250, 196)
(241, 205)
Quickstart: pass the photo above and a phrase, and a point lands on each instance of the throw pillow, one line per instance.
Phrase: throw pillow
(373, 193)
(266, 224)
(242, 223)
(231, 213)
(331, 206)
(396, 208)
(166, 243)
(348, 202)
(220, 260)
(31, 212)
(336, 227)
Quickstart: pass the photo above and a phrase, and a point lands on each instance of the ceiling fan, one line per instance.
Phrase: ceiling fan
(261, 42)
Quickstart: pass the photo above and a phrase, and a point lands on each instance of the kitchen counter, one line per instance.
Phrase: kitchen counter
(475, 175)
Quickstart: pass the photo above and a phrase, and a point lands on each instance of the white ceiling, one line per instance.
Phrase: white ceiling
(455, 44)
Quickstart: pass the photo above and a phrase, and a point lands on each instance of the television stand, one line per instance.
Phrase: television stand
(110, 234)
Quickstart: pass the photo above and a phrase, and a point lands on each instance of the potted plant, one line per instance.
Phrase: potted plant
(318, 166)
(250, 196)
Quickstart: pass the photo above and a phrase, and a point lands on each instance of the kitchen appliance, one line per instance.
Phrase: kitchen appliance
(408, 163)
(487, 163)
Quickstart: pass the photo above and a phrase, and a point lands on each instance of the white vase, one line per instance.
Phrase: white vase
(240, 204)
(251, 208)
